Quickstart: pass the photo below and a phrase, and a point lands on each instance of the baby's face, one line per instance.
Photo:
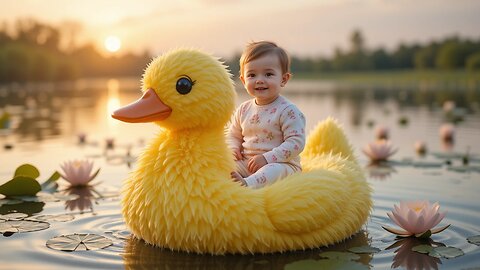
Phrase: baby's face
(263, 78)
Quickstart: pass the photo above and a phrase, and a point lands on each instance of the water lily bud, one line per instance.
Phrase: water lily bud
(420, 147)
(382, 133)
(447, 132)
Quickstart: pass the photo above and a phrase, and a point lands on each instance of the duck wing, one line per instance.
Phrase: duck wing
(334, 194)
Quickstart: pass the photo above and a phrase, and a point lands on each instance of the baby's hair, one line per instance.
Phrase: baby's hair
(258, 49)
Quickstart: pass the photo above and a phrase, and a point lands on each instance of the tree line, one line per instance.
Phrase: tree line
(35, 51)
(451, 53)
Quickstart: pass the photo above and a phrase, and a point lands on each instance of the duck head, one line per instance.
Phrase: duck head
(183, 88)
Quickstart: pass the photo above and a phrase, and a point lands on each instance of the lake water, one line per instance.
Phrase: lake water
(47, 118)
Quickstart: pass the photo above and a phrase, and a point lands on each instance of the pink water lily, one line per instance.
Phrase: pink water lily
(420, 147)
(447, 132)
(78, 172)
(379, 150)
(416, 218)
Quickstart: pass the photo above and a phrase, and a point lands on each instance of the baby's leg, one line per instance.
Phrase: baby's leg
(269, 174)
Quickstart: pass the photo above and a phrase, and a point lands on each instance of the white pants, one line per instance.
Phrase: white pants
(268, 174)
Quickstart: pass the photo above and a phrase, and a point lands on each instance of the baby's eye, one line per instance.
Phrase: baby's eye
(251, 75)
(269, 74)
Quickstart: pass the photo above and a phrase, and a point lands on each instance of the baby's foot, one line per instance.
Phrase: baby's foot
(238, 178)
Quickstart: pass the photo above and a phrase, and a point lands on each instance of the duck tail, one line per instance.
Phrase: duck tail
(328, 138)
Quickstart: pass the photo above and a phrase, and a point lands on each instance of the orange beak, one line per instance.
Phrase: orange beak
(149, 108)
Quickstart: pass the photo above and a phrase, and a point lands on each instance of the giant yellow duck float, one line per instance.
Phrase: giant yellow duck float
(181, 196)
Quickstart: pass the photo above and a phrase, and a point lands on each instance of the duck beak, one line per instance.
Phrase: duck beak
(149, 108)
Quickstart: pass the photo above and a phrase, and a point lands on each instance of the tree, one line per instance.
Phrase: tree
(473, 62)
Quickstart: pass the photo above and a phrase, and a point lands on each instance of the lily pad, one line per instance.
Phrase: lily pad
(364, 249)
(425, 249)
(325, 264)
(425, 164)
(27, 170)
(123, 235)
(13, 216)
(345, 256)
(22, 226)
(464, 168)
(451, 155)
(20, 186)
(50, 218)
(76, 242)
(449, 252)
(474, 240)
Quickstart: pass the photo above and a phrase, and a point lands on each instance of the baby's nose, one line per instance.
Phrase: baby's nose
(259, 80)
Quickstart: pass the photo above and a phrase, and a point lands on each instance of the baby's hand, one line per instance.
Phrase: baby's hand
(237, 154)
(256, 162)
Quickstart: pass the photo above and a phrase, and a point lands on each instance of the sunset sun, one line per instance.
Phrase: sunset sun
(112, 43)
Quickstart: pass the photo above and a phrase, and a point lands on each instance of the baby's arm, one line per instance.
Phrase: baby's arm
(234, 136)
(292, 124)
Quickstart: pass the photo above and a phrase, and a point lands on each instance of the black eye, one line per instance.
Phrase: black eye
(184, 85)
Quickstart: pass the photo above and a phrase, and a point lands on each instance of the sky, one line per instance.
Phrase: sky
(303, 27)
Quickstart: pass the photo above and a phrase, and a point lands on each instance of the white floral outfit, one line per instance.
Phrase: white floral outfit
(276, 131)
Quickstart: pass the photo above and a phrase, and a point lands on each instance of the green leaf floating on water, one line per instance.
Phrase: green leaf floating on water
(50, 218)
(425, 249)
(438, 252)
(21, 226)
(474, 240)
(364, 249)
(449, 252)
(345, 256)
(76, 242)
(325, 264)
(20, 186)
(13, 216)
(27, 170)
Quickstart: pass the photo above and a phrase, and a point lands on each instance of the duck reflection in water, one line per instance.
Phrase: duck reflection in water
(84, 201)
(408, 259)
(140, 255)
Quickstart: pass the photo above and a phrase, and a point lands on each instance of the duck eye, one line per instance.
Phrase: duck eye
(184, 85)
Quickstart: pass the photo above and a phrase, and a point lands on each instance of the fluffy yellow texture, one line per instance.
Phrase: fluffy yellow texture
(181, 196)
(325, 138)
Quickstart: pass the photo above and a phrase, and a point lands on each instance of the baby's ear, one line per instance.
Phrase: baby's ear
(285, 78)
(242, 79)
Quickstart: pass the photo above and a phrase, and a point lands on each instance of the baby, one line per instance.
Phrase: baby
(267, 133)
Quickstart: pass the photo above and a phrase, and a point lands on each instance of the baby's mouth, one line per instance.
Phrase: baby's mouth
(261, 88)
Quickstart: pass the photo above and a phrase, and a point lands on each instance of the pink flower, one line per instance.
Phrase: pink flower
(382, 133)
(416, 218)
(78, 172)
(379, 150)
(420, 147)
(447, 132)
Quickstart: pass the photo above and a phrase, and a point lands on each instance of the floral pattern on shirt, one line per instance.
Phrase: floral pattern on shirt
(255, 119)
(291, 114)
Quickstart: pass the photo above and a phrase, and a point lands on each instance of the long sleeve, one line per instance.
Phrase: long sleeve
(292, 124)
(234, 132)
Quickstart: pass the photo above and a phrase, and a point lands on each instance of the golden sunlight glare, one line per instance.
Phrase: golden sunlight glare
(112, 43)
